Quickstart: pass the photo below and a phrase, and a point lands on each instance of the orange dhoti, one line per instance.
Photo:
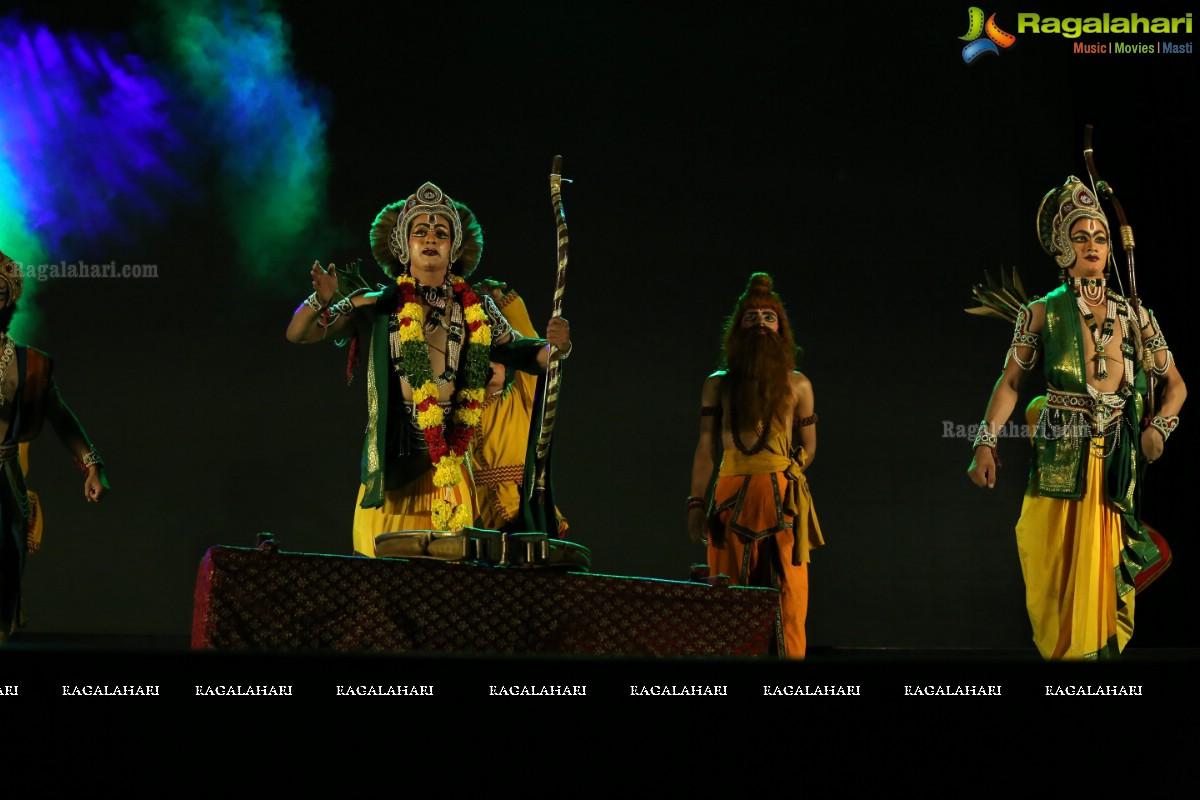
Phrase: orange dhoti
(761, 530)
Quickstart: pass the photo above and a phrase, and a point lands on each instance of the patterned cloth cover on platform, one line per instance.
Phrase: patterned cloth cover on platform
(251, 599)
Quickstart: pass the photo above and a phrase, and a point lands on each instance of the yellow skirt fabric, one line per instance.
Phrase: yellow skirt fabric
(1070, 551)
(409, 508)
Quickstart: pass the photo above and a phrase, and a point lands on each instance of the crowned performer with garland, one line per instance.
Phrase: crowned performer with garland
(1080, 537)
(758, 422)
(29, 397)
(429, 341)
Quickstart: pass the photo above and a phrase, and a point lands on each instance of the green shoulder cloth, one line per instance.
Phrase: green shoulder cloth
(1060, 462)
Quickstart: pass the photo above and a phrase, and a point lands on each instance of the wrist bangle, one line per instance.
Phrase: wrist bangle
(1165, 425)
(312, 302)
(88, 460)
(563, 355)
(343, 306)
(695, 502)
(983, 437)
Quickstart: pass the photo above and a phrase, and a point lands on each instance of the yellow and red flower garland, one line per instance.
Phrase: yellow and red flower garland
(448, 444)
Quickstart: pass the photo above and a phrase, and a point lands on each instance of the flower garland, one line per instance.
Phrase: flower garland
(447, 443)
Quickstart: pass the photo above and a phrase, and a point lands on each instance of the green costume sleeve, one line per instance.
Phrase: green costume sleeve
(519, 353)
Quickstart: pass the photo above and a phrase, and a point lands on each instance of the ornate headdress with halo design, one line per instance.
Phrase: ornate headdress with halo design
(389, 232)
(1060, 209)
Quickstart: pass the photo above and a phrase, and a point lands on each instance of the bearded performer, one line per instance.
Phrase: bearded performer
(429, 340)
(760, 525)
(1080, 537)
(28, 397)
(500, 449)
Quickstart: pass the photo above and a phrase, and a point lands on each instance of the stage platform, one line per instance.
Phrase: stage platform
(302, 628)
(266, 599)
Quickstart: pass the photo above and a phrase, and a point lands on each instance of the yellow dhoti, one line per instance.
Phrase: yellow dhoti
(1070, 552)
(409, 508)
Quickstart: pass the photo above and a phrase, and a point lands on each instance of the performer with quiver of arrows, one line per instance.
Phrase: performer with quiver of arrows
(1083, 548)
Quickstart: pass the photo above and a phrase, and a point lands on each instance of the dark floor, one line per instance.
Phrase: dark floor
(118, 643)
(47, 666)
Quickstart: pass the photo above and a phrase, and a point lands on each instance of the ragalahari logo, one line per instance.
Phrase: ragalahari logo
(976, 27)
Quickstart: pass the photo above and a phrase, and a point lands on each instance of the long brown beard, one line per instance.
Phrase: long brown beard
(760, 366)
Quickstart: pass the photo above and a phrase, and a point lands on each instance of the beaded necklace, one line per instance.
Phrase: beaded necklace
(1091, 292)
(737, 439)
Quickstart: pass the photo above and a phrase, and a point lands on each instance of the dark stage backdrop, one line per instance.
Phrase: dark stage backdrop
(854, 156)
